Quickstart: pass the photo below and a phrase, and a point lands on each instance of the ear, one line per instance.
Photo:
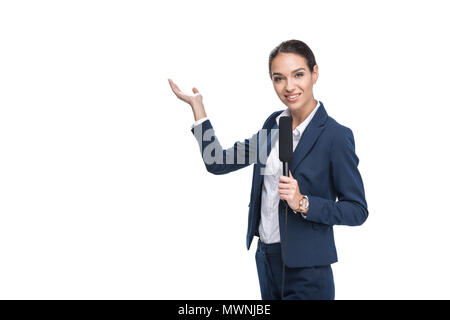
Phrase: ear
(315, 73)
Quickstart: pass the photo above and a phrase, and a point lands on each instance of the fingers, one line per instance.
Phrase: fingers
(285, 186)
(287, 182)
(287, 197)
(177, 91)
(285, 192)
(288, 191)
(285, 179)
(183, 96)
(174, 87)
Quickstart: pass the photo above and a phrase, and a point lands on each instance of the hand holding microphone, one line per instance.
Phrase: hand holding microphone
(288, 187)
(290, 191)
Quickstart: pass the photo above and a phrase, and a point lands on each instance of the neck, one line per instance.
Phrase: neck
(298, 116)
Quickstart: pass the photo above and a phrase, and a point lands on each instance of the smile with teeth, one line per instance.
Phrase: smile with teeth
(292, 97)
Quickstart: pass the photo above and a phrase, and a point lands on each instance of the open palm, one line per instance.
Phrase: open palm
(192, 99)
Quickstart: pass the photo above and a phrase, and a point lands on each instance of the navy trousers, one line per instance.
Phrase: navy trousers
(310, 283)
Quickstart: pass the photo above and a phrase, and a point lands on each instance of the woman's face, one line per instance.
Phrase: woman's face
(292, 80)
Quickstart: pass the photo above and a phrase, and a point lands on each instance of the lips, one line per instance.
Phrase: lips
(292, 97)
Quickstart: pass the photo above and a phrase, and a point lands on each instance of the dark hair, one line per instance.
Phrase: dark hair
(293, 46)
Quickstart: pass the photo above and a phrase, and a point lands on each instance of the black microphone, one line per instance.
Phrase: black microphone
(285, 143)
(285, 153)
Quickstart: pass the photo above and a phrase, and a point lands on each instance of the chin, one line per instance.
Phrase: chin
(295, 107)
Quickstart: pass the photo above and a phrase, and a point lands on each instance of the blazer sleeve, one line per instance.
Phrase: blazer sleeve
(351, 207)
(219, 161)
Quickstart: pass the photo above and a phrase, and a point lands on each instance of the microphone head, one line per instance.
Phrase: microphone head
(285, 139)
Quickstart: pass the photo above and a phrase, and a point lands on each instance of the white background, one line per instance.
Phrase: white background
(103, 193)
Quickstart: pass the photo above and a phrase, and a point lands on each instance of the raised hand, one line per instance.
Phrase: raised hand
(192, 99)
(195, 100)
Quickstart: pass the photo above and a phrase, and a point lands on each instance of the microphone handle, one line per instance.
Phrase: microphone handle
(283, 276)
(286, 169)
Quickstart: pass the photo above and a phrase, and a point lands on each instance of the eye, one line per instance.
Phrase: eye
(301, 74)
(276, 79)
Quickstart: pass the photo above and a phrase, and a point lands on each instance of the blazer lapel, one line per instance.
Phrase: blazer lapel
(309, 137)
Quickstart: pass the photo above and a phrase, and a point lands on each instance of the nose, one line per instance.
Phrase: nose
(289, 85)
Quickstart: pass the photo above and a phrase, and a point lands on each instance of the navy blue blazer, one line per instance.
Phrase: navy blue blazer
(325, 166)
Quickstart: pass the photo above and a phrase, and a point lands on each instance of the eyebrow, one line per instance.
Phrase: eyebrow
(280, 74)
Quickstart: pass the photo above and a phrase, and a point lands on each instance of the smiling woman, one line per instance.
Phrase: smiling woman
(324, 167)
(293, 70)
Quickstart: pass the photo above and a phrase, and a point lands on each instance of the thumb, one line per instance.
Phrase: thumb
(194, 89)
(290, 174)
